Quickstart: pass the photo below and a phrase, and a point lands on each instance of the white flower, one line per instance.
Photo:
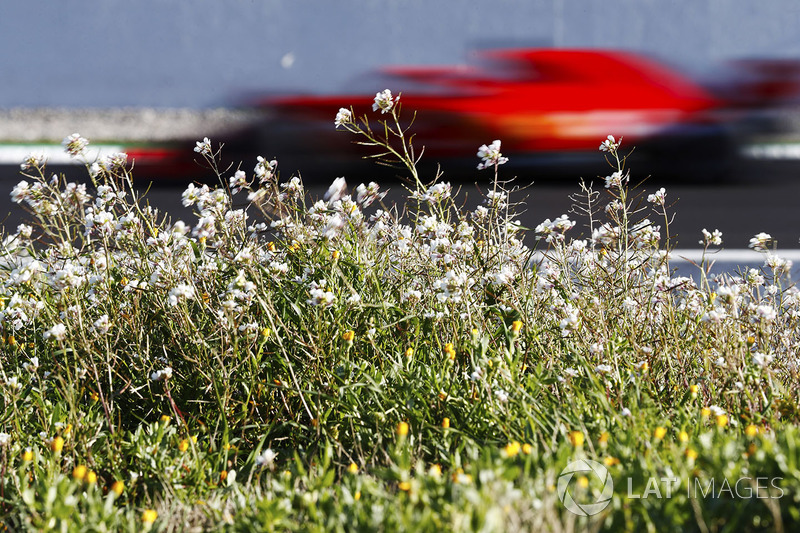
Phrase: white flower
(20, 192)
(383, 101)
(570, 372)
(58, 332)
(767, 313)
(502, 396)
(203, 147)
(762, 359)
(615, 180)
(625, 412)
(180, 292)
(716, 410)
(32, 365)
(162, 375)
(321, 297)
(5, 438)
(238, 181)
(102, 325)
(610, 145)
(344, 116)
(760, 242)
(336, 190)
(74, 145)
(266, 458)
(659, 197)
(712, 239)
(491, 155)
(603, 369)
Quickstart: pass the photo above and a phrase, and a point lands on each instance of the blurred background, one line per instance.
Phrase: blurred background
(707, 91)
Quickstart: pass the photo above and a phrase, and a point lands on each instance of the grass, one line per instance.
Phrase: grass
(344, 365)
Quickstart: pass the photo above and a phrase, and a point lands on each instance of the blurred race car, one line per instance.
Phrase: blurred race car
(550, 107)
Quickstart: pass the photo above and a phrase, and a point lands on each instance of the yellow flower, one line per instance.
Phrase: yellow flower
(11, 340)
(91, 477)
(603, 439)
(576, 438)
(693, 390)
(357, 495)
(223, 475)
(751, 430)
(348, 336)
(583, 482)
(79, 472)
(149, 516)
(404, 486)
(353, 468)
(164, 419)
(722, 421)
(442, 396)
(402, 429)
(611, 461)
(516, 326)
(409, 352)
(751, 340)
(512, 449)
(57, 444)
(449, 351)
(118, 487)
(266, 332)
(271, 246)
(445, 422)
(183, 445)
(527, 449)
(435, 470)
(706, 412)
(27, 455)
(335, 255)
(683, 436)
(94, 396)
(690, 454)
(660, 432)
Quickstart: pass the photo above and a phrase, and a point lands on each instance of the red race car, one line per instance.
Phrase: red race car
(551, 108)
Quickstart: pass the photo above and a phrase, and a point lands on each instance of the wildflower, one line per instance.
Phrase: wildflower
(402, 429)
(57, 444)
(79, 472)
(711, 239)
(102, 325)
(603, 438)
(409, 352)
(353, 468)
(660, 432)
(435, 470)
(162, 375)
(512, 449)
(343, 117)
(616, 180)
(690, 454)
(693, 390)
(603, 369)
(491, 155)
(384, 101)
(760, 242)
(722, 420)
(348, 336)
(27, 455)
(761, 359)
(625, 412)
(58, 332)
(266, 458)
(527, 449)
(449, 351)
(611, 461)
(266, 332)
(32, 365)
(705, 412)
(75, 145)
(321, 297)
(5, 438)
(149, 516)
(336, 190)
(180, 292)
(659, 197)
(203, 147)
(610, 144)
(516, 327)
(683, 436)
(445, 423)
(164, 419)
(118, 487)
(576, 438)
(404, 486)
(183, 445)
(751, 430)
(91, 477)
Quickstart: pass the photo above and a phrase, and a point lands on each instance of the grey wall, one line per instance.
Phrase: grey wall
(198, 53)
